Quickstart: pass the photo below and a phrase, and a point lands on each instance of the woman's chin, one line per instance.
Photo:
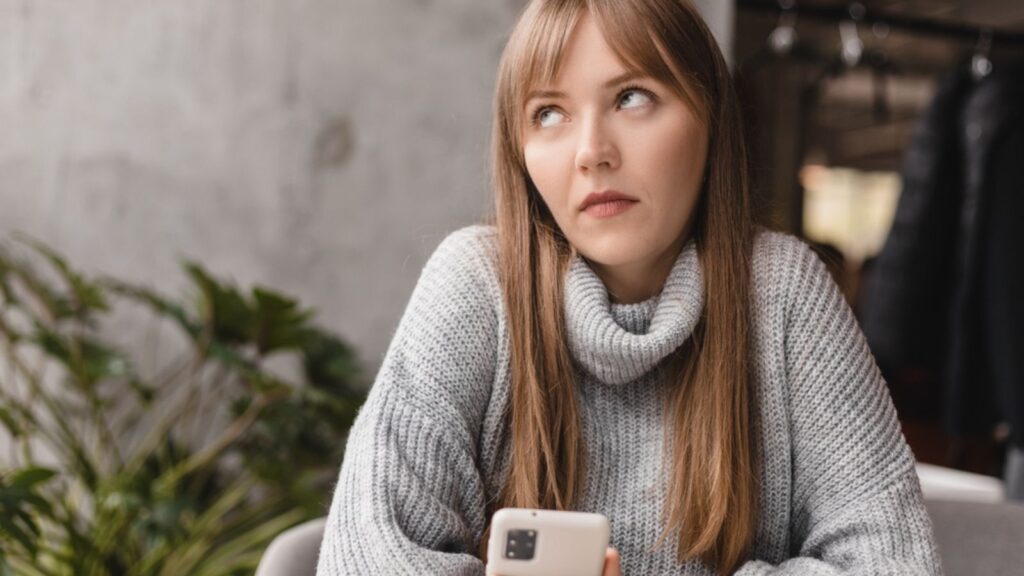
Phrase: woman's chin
(613, 252)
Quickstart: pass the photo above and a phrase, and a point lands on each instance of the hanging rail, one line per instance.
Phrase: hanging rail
(925, 26)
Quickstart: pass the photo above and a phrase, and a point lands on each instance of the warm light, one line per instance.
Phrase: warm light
(851, 209)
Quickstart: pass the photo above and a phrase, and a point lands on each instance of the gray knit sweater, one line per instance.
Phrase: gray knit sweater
(839, 492)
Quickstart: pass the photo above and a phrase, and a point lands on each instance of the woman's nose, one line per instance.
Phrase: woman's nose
(596, 147)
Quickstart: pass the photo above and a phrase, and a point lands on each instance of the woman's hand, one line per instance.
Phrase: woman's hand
(612, 564)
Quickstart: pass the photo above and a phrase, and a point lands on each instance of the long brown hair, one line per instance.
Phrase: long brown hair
(713, 488)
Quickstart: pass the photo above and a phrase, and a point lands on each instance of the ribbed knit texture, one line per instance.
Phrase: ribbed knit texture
(839, 494)
(616, 344)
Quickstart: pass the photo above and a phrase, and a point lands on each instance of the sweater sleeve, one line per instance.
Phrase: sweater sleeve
(410, 497)
(856, 505)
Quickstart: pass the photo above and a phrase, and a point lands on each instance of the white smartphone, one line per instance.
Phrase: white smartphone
(527, 542)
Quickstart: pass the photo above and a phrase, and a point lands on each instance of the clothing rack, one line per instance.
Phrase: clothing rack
(923, 26)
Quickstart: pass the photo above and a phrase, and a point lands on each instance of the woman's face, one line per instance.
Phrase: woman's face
(595, 131)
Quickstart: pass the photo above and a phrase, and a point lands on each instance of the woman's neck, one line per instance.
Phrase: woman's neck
(639, 281)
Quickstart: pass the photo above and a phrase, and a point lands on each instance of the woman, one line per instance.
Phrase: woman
(622, 340)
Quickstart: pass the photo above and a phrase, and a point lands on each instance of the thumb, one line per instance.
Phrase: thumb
(612, 563)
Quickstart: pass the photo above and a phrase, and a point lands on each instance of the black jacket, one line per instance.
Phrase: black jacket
(946, 293)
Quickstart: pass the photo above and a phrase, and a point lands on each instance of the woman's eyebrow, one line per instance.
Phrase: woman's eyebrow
(621, 78)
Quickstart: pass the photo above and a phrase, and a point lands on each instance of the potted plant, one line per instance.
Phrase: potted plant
(191, 468)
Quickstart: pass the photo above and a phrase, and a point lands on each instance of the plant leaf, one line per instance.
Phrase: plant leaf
(88, 296)
(157, 303)
(10, 422)
(29, 477)
(223, 309)
(330, 364)
(280, 323)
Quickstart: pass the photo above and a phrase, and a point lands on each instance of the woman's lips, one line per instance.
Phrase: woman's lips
(609, 209)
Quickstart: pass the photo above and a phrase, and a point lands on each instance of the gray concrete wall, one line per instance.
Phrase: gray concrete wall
(721, 18)
(322, 147)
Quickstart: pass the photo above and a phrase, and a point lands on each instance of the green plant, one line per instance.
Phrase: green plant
(189, 470)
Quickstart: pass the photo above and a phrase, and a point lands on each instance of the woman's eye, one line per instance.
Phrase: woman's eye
(542, 116)
(631, 97)
(634, 97)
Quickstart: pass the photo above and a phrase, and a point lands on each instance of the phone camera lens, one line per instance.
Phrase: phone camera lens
(520, 544)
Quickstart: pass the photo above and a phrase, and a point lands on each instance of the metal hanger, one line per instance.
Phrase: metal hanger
(783, 37)
(852, 45)
(981, 64)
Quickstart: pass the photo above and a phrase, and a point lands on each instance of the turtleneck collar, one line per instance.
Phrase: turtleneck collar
(618, 343)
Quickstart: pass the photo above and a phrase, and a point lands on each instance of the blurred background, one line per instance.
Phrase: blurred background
(888, 134)
(268, 177)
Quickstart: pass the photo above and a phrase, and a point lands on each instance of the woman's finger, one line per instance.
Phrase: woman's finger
(612, 566)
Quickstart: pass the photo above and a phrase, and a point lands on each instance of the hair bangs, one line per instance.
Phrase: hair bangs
(641, 42)
(544, 46)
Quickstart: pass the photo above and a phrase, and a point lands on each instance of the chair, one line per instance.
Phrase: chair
(294, 552)
(979, 538)
(941, 483)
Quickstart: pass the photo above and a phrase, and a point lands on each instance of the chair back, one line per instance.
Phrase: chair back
(979, 538)
(294, 552)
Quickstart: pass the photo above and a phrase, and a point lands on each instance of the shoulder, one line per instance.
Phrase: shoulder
(459, 282)
(780, 257)
(441, 362)
(773, 249)
(450, 330)
(473, 239)
(470, 250)
(786, 270)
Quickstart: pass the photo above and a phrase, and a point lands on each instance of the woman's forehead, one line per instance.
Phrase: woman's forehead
(549, 89)
(544, 76)
(548, 59)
